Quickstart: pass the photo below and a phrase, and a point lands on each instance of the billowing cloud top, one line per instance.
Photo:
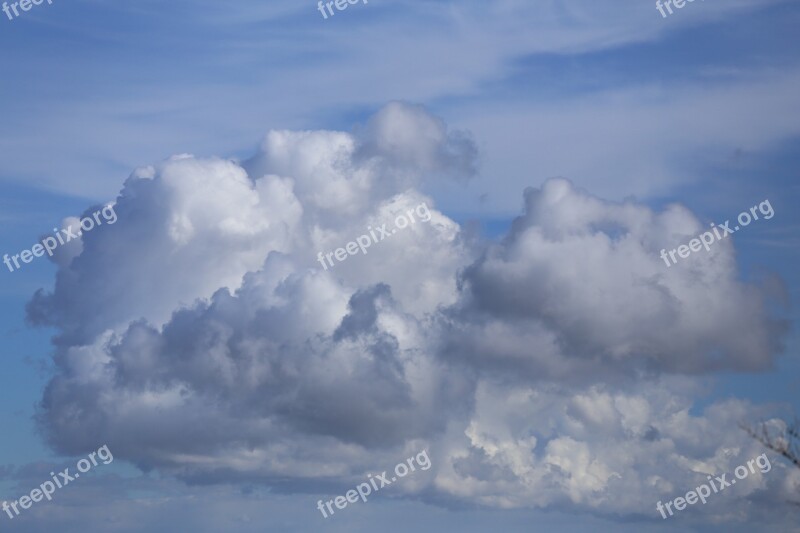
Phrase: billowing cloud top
(200, 336)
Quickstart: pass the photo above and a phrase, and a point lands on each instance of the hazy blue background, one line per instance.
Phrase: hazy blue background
(702, 108)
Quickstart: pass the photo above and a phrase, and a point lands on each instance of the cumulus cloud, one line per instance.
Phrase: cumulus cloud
(583, 280)
(199, 336)
(186, 228)
(612, 451)
(406, 136)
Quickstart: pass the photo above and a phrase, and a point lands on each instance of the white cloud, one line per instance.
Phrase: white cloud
(588, 273)
(199, 336)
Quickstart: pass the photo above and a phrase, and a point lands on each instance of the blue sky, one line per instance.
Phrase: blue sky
(701, 109)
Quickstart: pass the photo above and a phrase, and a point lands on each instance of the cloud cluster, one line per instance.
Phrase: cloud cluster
(199, 336)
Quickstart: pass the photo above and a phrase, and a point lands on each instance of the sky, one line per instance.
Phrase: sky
(522, 329)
